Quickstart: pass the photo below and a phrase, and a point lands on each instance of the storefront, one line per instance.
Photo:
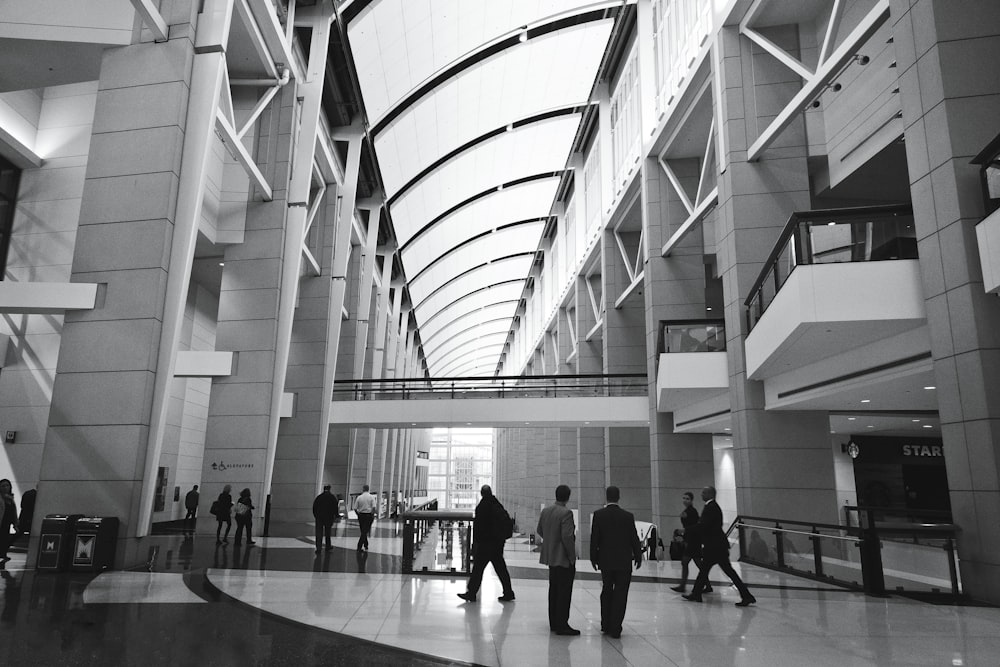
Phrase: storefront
(900, 473)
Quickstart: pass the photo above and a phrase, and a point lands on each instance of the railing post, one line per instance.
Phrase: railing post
(871, 555)
(467, 561)
(779, 545)
(949, 547)
(817, 552)
(407, 546)
(742, 540)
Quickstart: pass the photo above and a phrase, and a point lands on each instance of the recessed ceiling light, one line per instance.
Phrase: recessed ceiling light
(708, 308)
(413, 424)
(850, 419)
(222, 263)
(931, 387)
(870, 426)
(915, 421)
(928, 426)
(866, 400)
(830, 224)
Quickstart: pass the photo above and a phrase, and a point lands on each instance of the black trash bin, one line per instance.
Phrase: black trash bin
(94, 544)
(55, 545)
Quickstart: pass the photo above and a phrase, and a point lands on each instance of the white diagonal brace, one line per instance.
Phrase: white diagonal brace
(265, 54)
(152, 19)
(705, 160)
(824, 75)
(241, 154)
(779, 53)
(689, 224)
(832, 26)
(675, 182)
(262, 103)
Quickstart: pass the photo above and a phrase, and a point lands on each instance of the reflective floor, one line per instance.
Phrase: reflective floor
(280, 603)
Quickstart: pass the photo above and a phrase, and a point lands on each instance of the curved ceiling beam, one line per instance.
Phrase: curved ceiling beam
(456, 249)
(468, 346)
(458, 331)
(483, 367)
(420, 295)
(485, 52)
(489, 313)
(488, 355)
(469, 145)
(493, 189)
(465, 306)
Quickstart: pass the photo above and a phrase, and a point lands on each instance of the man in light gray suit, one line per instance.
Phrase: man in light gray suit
(558, 532)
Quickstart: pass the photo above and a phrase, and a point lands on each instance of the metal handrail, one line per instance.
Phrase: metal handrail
(493, 378)
(801, 532)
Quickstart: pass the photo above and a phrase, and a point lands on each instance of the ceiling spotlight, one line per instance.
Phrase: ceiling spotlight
(866, 400)
(861, 60)
(931, 387)
(915, 421)
(870, 426)
(850, 419)
(928, 426)
(222, 263)
(708, 308)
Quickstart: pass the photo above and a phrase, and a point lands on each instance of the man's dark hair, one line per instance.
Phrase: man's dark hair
(562, 493)
(688, 494)
(486, 491)
(612, 494)
(195, 487)
(326, 487)
(365, 487)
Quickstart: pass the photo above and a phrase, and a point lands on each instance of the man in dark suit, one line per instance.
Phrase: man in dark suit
(715, 551)
(325, 508)
(614, 547)
(490, 529)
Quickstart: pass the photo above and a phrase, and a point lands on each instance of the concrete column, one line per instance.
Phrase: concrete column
(590, 453)
(950, 83)
(783, 463)
(673, 289)
(626, 448)
(131, 237)
(237, 445)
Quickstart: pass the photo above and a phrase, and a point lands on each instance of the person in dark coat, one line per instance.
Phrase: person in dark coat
(191, 499)
(715, 551)
(27, 510)
(614, 547)
(692, 543)
(8, 517)
(223, 514)
(490, 529)
(244, 518)
(324, 511)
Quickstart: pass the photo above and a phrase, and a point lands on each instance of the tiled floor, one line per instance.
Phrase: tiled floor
(279, 603)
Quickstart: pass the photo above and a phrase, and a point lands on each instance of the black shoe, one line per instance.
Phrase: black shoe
(707, 589)
(506, 598)
(617, 634)
(692, 598)
(746, 602)
(317, 551)
(329, 548)
(218, 542)
(568, 632)
(251, 542)
(679, 589)
(468, 597)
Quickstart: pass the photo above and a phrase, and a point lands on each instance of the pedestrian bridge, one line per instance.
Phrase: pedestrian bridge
(540, 401)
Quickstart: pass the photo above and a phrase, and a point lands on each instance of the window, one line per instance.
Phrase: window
(10, 177)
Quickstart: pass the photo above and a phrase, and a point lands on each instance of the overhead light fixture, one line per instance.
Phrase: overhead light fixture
(850, 419)
(866, 400)
(870, 426)
(931, 387)
(524, 35)
(222, 263)
(915, 421)
(510, 126)
(830, 224)
(928, 426)
(708, 308)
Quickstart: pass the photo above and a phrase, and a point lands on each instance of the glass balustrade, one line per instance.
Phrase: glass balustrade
(834, 236)
(692, 336)
(541, 386)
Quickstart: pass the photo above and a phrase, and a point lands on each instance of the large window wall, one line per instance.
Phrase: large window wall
(461, 461)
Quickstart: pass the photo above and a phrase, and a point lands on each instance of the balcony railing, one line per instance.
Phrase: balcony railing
(832, 236)
(916, 558)
(692, 336)
(518, 386)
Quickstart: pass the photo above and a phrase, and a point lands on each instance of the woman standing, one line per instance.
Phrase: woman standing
(223, 507)
(244, 517)
(8, 517)
(692, 541)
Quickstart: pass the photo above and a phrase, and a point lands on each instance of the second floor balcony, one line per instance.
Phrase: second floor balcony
(836, 280)
(692, 378)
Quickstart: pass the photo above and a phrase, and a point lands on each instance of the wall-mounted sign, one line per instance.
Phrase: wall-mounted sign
(9, 437)
(923, 450)
(222, 465)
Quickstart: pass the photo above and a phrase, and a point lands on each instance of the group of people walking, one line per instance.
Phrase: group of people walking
(225, 509)
(614, 551)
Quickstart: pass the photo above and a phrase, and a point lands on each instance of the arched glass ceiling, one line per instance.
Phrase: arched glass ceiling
(445, 327)
(539, 148)
(553, 71)
(511, 240)
(481, 336)
(524, 201)
(474, 106)
(413, 42)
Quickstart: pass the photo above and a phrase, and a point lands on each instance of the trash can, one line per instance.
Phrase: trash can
(55, 546)
(94, 544)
